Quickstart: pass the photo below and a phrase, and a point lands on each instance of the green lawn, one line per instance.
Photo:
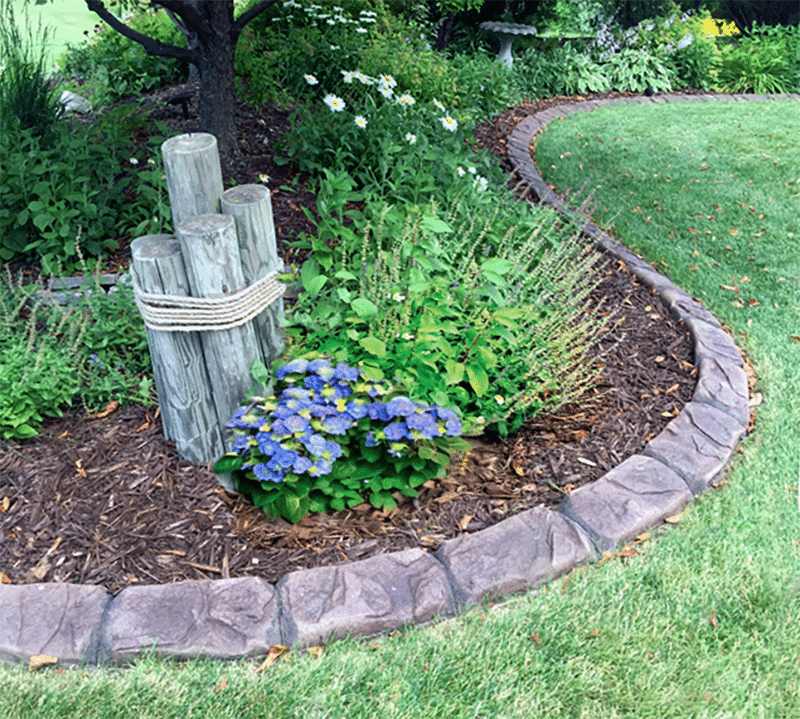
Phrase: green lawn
(69, 19)
(705, 621)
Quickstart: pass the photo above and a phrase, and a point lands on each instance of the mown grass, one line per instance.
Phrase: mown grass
(704, 622)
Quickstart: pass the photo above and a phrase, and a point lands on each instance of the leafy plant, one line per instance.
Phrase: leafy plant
(37, 350)
(636, 70)
(331, 437)
(28, 102)
(766, 61)
(111, 66)
(481, 315)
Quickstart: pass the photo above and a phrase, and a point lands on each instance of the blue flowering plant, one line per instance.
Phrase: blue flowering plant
(331, 437)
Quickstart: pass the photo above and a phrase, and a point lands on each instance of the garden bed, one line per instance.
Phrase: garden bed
(105, 500)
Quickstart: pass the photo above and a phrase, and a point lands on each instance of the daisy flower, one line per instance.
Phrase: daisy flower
(438, 104)
(361, 29)
(134, 161)
(499, 399)
(311, 80)
(460, 171)
(411, 138)
(448, 123)
(387, 80)
(480, 183)
(397, 297)
(334, 103)
(263, 178)
(361, 121)
(385, 90)
(405, 99)
(471, 170)
(349, 76)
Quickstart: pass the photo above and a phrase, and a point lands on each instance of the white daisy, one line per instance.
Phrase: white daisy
(405, 99)
(448, 123)
(385, 90)
(334, 103)
(411, 138)
(311, 80)
(438, 104)
(349, 76)
(361, 121)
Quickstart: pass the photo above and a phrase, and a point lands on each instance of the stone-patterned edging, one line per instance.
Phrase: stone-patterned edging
(232, 618)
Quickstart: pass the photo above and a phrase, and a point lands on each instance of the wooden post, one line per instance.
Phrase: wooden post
(251, 208)
(182, 382)
(213, 267)
(194, 175)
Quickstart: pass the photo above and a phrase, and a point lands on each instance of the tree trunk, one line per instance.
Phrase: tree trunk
(217, 77)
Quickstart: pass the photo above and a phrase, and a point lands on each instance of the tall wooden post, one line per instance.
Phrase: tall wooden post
(213, 267)
(182, 383)
(251, 208)
(203, 343)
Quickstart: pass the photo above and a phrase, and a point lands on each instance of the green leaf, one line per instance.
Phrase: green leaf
(426, 452)
(260, 372)
(228, 463)
(455, 372)
(497, 265)
(434, 225)
(314, 285)
(365, 309)
(478, 379)
(374, 346)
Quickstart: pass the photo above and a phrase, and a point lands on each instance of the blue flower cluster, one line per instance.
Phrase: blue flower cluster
(292, 432)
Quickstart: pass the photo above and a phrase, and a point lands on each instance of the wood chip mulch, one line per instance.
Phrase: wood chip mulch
(106, 500)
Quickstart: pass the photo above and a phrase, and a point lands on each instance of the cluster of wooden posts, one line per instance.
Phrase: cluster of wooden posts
(208, 296)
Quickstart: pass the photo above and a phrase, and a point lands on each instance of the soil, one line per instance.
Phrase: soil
(106, 500)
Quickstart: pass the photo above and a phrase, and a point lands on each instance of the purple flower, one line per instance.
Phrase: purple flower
(356, 409)
(336, 425)
(296, 424)
(370, 440)
(314, 382)
(319, 468)
(345, 372)
(266, 445)
(301, 464)
(395, 431)
(453, 427)
(264, 474)
(241, 442)
(315, 444)
(445, 413)
(285, 458)
(297, 366)
(330, 451)
(377, 410)
(244, 420)
(402, 406)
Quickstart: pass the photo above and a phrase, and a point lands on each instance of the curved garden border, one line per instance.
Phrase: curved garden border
(232, 618)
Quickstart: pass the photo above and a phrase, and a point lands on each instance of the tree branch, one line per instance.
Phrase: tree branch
(187, 12)
(251, 14)
(151, 46)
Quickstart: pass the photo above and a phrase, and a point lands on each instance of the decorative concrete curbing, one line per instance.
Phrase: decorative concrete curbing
(243, 617)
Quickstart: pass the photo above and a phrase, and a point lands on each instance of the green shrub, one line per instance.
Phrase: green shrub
(114, 66)
(27, 100)
(475, 308)
(85, 354)
(766, 61)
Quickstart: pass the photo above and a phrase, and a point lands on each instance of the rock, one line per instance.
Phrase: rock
(74, 103)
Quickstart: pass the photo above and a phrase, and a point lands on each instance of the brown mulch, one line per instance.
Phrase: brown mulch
(108, 501)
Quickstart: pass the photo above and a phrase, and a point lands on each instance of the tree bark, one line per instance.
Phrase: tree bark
(214, 32)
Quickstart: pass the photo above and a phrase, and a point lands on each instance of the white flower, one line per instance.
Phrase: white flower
(336, 47)
(387, 80)
(471, 170)
(151, 161)
(361, 121)
(499, 399)
(361, 29)
(330, 22)
(311, 80)
(460, 171)
(480, 183)
(364, 79)
(438, 104)
(407, 336)
(448, 123)
(334, 103)
(411, 138)
(349, 76)
(263, 178)
(397, 297)
(405, 99)
(685, 41)
(385, 90)
(134, 161)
